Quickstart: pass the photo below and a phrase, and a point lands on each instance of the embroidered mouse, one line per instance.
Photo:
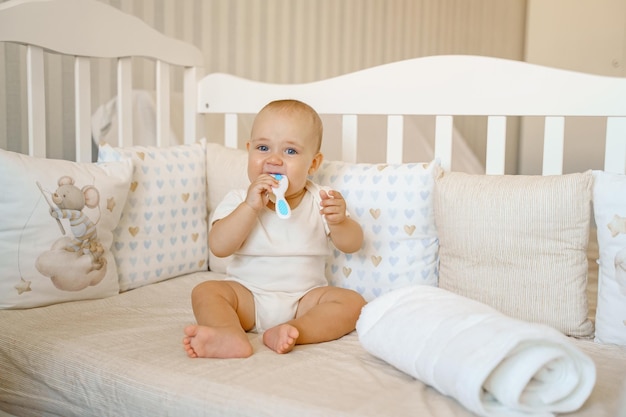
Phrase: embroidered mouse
(74, 262)
(69, 201)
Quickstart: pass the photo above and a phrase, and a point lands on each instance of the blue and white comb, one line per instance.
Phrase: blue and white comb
(282, 207)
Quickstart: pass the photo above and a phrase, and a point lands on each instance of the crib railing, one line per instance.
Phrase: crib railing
(444, 87)
(89, 29)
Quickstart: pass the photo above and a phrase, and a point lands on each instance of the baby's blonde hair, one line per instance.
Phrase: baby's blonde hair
(291, 105)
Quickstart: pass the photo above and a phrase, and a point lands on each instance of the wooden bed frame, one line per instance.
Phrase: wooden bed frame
(442, 87)
(75, 28)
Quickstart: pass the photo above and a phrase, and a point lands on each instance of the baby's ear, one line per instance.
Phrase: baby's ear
(315, 163)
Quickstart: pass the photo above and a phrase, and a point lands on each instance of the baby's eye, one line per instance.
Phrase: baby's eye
(262, 148)
(291, 151)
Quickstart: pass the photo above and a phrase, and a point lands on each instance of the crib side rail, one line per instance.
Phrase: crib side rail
(86, 29)
(444, 87)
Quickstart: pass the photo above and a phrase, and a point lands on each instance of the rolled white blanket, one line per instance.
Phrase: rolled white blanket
(492, 364)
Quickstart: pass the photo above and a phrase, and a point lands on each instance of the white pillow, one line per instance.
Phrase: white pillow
(45, 261)
(393, 204)
(609, 205)
(163, 230)
(226, 169)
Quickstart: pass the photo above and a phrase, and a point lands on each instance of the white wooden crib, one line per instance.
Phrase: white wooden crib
(468, 86)
(121, 354)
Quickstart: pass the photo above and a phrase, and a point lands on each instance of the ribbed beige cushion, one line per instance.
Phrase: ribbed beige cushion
(518, 243)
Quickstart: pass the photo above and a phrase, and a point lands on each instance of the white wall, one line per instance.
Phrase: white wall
(579, 35)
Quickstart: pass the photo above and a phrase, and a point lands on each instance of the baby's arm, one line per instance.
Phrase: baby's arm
(345, 233)
(229, 233)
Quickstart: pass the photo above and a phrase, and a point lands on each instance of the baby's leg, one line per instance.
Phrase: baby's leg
(281, 338)
(224, 311)
(215, 342)
(324, 314)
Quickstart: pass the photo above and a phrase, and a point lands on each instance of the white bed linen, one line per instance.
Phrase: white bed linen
(493, 364)
(122, 356)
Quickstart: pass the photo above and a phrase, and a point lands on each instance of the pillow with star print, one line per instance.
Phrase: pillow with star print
(393, 204)
(609, 209)
(56, 229)
(163, 229)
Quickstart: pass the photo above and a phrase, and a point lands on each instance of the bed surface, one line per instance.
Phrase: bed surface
(122, 356)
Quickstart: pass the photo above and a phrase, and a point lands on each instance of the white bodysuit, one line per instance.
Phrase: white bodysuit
(282, 259)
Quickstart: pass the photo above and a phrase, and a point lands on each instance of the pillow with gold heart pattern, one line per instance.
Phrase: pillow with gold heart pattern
(393, 204)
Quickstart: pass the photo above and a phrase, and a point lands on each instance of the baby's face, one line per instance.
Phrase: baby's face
(283, 142)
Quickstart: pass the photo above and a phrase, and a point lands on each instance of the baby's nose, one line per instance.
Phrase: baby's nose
(274, 159)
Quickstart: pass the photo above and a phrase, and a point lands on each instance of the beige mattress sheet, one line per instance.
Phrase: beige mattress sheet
(122, 356)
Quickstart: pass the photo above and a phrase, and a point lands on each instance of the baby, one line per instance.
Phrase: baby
(276, 283)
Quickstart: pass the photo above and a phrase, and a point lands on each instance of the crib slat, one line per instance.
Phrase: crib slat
(124, 101)
(443, 141)
(553, 140)
(36, 102)
(349, 131)
(230, 130)
(615, 148)
(190, 100)
(395, 133)
(496, 145)
(162, 103)
(82, 95)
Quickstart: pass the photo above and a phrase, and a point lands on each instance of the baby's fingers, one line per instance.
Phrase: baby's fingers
(334, 199)
(335, 194)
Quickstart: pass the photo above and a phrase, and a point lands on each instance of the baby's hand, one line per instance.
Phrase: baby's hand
(333, 206)
(259, 190)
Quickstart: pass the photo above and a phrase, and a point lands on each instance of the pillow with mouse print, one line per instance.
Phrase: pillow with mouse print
(56, 225)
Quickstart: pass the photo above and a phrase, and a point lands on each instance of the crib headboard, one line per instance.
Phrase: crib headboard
(444, 87)
(88, 29)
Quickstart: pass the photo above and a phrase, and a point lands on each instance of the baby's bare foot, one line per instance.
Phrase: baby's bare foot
(281, 338)
(216, 342)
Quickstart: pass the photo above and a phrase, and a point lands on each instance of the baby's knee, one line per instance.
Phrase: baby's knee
(354, 297)
(204, 289)
(228, 290)
(352, 300)
(358, 300)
